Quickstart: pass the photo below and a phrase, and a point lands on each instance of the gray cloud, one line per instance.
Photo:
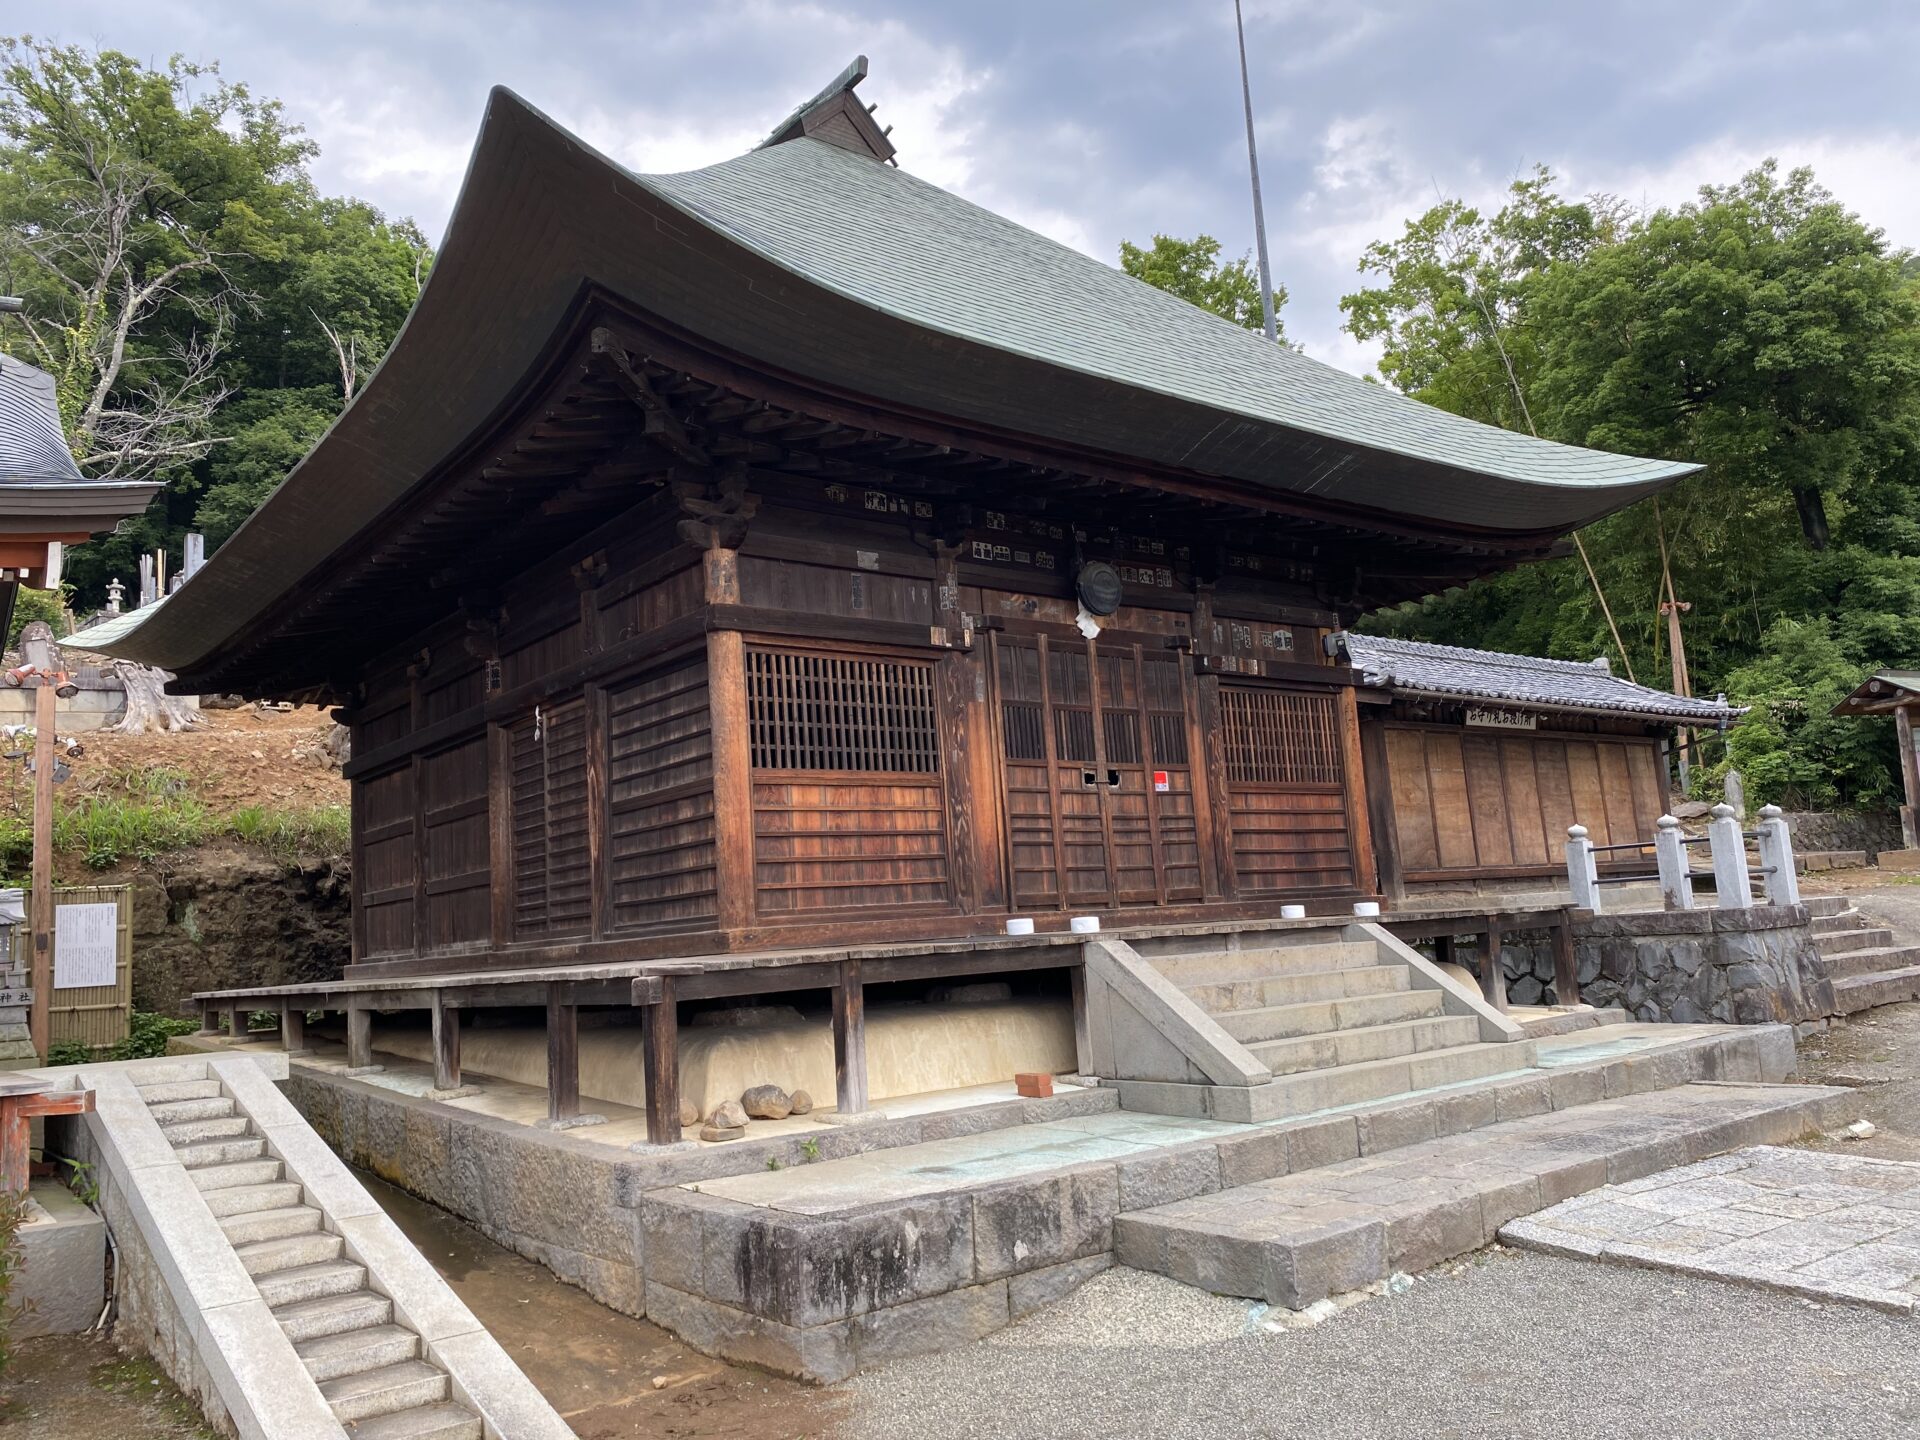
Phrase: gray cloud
(1098, 120)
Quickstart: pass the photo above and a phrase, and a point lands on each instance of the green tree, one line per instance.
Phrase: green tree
(1192, 270)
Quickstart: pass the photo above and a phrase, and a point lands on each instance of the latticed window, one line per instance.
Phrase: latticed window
(1274, 737)
(840, 712)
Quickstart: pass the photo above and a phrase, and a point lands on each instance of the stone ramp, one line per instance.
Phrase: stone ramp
(1808, 1222)
(1301, 1237)
(266, 1282)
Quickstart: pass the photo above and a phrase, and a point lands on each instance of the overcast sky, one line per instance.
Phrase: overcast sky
(1101, 120)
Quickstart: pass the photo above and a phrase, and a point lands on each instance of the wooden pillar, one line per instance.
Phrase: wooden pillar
(446, 1043)
(1443, 950)
(563, 1054)
(1377, 779)
(293, 1027)
(359, 1036)
(660, 1056)
(1566, 967)
(1493, 974)
(732, 780)
(850, 1040)
(1359, 822)
(1909, 777)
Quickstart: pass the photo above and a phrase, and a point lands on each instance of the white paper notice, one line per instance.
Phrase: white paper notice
(85, 946)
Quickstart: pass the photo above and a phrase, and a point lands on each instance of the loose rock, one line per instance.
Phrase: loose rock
(715, 1133)
(728, 1115)
(767, 1102)
(689, 1114)
(801, 1102)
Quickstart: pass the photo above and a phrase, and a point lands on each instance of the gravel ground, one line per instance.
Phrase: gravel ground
(1512, 1344)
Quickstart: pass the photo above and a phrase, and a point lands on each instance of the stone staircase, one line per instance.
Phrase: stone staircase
(372, 1372)
(1340, 1017)
(1863, 961)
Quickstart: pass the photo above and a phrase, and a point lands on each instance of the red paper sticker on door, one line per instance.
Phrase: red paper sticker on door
(1160, 782)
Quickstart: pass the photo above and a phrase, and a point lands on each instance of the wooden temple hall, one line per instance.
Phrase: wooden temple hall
(771, 580)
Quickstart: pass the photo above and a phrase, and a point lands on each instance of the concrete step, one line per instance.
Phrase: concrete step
(310, 1282)
(333, 1314)
(1843, 940)
(189, 1132)
(1311, 1090)
(223, 1175)
(349, 1352)
(427, 1422)
(1284, 1022)
(221, 1152)
(1874, 960)
(1566, 1022)
(1218, 966)
(252, 1199)
(1373, 1042)
(269, 1257)
(1826, 904)
(1837, 923)
(404, 1386)
(1854, 993)
(1300, 989)
(172, 1112)
(160, 1092)
(1304, 1236)
(257, 1225)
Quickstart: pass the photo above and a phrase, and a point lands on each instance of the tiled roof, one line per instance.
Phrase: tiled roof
(1453, 672)
(32, 449)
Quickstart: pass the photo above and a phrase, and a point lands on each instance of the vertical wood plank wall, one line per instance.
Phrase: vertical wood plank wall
(1465, 802)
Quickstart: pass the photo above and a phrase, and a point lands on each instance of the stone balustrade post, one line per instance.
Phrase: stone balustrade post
(1582, 878)
(1732, 884)
(1776, 857)
(1670, 853)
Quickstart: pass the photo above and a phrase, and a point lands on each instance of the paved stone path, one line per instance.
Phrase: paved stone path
(1814, 1224)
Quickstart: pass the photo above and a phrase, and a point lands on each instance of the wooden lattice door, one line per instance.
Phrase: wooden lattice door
(1098, 781)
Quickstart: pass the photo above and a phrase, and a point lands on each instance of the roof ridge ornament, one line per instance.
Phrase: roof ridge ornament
(836, 117)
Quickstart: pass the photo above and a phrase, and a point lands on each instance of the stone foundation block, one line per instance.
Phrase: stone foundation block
(1519, 1098)
(1175, 1174)
(1025, 1225)
(1322, 1142)
(822, 1354)
(1394, 1126)
(1039, 1288)
(1469, 1110)
(1331, 1259)
(1246, 1159)
(923, 1327)
(1576, 1087)
(1429, 1230)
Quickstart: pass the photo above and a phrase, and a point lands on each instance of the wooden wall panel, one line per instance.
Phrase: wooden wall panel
(455, 871)
(551, 651)
(552, 877)
(660, 801)
(819, 590)
(383, 815)
(844, 842)
(624, 616)
(1466, 802)
(1287, 840)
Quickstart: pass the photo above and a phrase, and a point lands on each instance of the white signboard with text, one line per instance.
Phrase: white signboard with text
(85, 945)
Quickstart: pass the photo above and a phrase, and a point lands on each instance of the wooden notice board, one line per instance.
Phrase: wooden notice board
(95, 1015)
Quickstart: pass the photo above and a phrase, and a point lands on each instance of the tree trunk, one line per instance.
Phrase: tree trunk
(149, 707)
(1812, 506)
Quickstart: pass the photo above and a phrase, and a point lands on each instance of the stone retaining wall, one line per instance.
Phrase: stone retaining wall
(1742, 967)
(1868, 830)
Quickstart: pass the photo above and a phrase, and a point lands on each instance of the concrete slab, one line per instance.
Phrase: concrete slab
(61, 1285)
(1809, 1223)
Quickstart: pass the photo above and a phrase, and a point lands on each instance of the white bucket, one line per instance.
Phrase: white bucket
(1367, 909)
(1293, 912)
(1085, 924)
(1020, 926)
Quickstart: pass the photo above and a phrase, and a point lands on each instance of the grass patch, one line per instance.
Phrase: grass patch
(143, 814)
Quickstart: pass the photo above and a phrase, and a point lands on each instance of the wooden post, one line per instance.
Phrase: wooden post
(293, 1028)
(1493, 974)
(209, 1018)
(39, 1020)
(20, 1105)
(1566, 965)
(446, 1043)
(660, 1056)
(359, 1037)
(1443, 950)
(850, 1040)
(1353, 772)
(563, 1054)
(237, 1022)
(732, 780)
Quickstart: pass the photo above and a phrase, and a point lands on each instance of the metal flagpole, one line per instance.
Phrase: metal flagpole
(1253, 165)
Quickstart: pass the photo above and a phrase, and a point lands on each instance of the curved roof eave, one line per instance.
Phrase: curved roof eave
(541, 215)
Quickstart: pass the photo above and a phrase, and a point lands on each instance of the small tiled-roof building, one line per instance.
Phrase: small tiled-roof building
(1477, 761)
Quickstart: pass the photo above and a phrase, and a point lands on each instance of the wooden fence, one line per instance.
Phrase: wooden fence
(95, 1015)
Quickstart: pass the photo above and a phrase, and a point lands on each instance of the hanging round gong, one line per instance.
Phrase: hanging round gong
(1099, 586)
